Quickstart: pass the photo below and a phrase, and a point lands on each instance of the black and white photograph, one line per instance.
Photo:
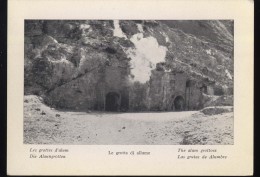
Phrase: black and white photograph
(130, 88)
(128, 82)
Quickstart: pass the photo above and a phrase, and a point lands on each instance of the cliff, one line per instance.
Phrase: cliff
(65, 59)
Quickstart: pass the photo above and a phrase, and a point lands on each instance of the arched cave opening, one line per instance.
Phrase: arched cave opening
(112, 102)
(179, 103)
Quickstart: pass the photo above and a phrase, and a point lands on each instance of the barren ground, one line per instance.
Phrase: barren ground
(189, 127)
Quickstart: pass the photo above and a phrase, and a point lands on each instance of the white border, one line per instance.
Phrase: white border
(93, 160)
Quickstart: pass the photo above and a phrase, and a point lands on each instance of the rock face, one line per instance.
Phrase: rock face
(128, 65)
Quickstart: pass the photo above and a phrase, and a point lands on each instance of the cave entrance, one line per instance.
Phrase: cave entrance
(112, 102)
(179, 103)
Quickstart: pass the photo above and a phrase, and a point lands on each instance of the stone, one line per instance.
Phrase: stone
(98, 75)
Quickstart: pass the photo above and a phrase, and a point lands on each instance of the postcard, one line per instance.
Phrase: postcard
(130, 87)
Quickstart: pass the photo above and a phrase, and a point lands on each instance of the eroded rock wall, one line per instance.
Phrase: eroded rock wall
(74, 64)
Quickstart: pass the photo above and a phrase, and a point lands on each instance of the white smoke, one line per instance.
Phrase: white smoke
(144, 57)
(140, 28)
(146, 54)
(117, 30)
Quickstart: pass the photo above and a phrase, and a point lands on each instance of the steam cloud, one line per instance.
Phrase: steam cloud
(146, 54)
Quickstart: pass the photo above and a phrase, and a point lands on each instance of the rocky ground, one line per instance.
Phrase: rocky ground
(45, 125)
